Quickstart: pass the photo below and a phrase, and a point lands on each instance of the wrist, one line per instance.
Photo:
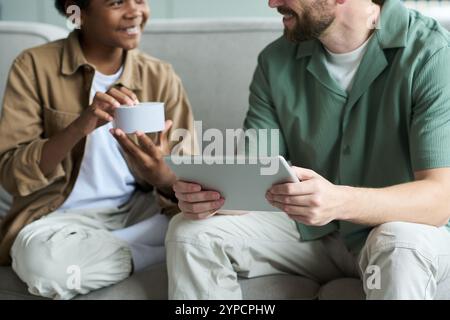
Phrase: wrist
(167, 193)
(166, 181)
(76, 130)
(166, 187)
(346, 209)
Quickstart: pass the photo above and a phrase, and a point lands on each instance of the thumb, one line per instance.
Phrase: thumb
(168, 125)
(163, 136)
(304, 174)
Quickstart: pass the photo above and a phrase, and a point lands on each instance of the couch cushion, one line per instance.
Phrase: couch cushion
(152, 284)
(352, 289)
(11, 287)
(342, 289)
(277, 287)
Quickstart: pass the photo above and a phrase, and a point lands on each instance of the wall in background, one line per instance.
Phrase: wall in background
(43, 10)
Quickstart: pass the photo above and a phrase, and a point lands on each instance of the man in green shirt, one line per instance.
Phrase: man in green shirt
(360, 91)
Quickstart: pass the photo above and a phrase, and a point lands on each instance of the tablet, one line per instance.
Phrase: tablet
(242, 182)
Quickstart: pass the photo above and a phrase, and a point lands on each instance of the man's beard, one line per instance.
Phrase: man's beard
(308, 26)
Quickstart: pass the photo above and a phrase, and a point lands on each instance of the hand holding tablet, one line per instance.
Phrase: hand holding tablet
(242, 186)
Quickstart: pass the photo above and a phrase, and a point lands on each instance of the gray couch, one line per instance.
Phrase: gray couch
(215, 60)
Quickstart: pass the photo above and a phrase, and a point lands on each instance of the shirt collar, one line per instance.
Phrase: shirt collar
(392, 30)
(73, 58)
(394, 24)
(131, 76)
(72, 55)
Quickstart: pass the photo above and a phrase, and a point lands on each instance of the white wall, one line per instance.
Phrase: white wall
(44, 11)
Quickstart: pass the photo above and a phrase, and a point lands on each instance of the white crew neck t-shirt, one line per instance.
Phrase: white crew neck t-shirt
(104, 180)
(343, 66)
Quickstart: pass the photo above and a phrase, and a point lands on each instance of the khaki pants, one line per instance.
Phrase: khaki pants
(69, 253)
(205, 258)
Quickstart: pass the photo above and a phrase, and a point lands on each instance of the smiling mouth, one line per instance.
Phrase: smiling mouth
(286, 13)
(287, 17)
(131, 31)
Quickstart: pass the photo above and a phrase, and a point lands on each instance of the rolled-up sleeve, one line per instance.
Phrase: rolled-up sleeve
(21, 128)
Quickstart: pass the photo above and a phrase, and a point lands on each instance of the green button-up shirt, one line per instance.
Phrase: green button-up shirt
(394, 121)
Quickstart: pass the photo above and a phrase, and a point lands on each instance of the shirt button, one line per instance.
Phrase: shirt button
(347, 150)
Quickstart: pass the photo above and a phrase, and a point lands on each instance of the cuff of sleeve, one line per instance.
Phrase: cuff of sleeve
(28, 173)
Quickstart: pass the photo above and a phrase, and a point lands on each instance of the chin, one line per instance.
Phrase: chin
(129, 45)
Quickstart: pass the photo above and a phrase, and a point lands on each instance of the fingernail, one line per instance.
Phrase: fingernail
(139, 133)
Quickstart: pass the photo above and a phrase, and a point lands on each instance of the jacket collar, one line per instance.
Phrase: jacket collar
(73, 58)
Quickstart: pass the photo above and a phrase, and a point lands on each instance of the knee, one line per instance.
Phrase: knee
(61, 262)
(182, 229)
(32, 261)
(401, 234)
(394, 242)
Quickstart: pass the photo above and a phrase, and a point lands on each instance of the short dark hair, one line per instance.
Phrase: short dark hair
(60, 5)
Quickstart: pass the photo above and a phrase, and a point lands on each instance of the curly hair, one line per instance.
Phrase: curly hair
(60, 5)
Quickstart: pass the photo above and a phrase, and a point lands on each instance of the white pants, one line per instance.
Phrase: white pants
(205, 258)
(69, 253)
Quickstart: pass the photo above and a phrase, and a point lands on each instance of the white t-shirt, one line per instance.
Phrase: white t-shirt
(104, 180)
(343, 66)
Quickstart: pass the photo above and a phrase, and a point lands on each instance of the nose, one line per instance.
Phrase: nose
(276, 3)
(132, 9)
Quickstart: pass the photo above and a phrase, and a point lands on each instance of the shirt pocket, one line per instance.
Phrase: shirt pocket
(56, 121)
